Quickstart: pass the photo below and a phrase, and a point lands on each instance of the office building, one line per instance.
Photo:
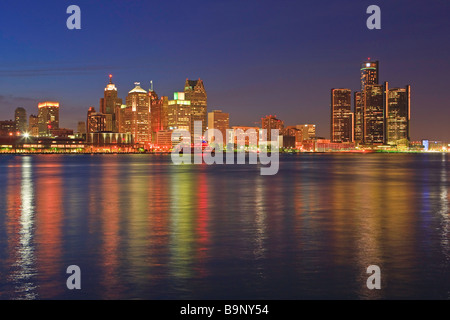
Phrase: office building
(33, 126)
(179, 113)
(195, 92)
(109, 105)
(95, 122)
(48, 117)
(221, 121)
(272, 123)
(341, 116)
(137, 115)
(20, 117)
(308, 131)
(374, 115)
(398, 115)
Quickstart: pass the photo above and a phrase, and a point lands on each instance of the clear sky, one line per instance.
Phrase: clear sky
(256, 57)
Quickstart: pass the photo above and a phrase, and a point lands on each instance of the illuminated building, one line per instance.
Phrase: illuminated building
(137, 115)
(41, 145)
(308, 131)
(272, 123)
(369, 72)
(48, 117)
(398, 114)
(158, 111)
(195, 92)
(20, 117)
(164, 138)
(61, 132)
(110, 142)
(96, 122)
(341, 115)
(374, 114)
(220, 121)
(358, 130)
(121, 124)
(165, 112)
(179, 113)
(8, 128)
(326, 145)
(33, 126)
(292, 137)
(109, 105)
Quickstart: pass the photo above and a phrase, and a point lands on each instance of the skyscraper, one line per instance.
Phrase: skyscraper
(48, 117)
(195, 92)
(109, 105)
(20, 117)
(138, 107)
(158, 112)
(374, 114)
(341, 115)
(369, 75)
(398, 114)
(358, 117)
(221, 121)
(179, 113)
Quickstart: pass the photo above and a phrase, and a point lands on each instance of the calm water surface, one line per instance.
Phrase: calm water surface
(140, 227)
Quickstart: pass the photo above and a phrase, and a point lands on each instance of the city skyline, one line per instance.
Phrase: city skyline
(347, 115)
(46, 62)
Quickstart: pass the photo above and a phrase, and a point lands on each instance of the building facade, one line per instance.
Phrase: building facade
(195, 92)
(137, 119)
(20, 117)
(221, 121)
(398, 115)
(272, 123)
(109, 105)
(341, 116)
(179, 113)
(374, 114)
(48, 117)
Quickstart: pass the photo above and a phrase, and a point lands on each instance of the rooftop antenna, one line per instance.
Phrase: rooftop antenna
(151, 85)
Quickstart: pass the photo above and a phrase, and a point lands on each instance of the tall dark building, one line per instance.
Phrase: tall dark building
(374, 114)
(195, 92)
(369, 75)
(20, 117)
(48, 117)
(398, 114)
(358, 115)
(341, 115)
